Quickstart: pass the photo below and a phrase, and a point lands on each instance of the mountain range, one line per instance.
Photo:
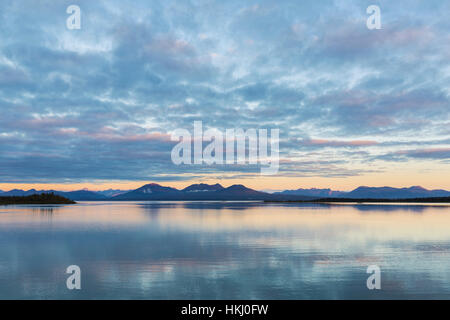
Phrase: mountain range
(78, 195)
(364, 192)
(203, 191)
(313, 192)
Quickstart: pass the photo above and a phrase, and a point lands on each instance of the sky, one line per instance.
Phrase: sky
(95, 107)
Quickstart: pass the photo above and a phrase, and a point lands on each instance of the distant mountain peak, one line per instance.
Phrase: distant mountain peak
(363, 187)
(151, 185)
(154, 188)
(240, 188)
(237, 187)
(395, 193)
(418, 188)
(203, 187)
(313, 192)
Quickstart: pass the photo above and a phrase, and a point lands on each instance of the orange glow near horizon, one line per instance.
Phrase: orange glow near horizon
(398, 179)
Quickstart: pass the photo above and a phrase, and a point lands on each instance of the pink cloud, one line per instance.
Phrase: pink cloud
(338, 143)
(434, 153)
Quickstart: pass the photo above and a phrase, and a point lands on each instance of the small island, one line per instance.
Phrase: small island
(43, 198)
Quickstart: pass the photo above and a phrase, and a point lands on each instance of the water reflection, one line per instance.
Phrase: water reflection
(43, 211)
(248, 250)
(389, 207)
(241, 205)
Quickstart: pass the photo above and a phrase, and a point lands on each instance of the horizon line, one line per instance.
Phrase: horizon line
(267, 190)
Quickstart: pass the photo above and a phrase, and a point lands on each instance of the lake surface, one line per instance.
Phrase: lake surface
(224, 250)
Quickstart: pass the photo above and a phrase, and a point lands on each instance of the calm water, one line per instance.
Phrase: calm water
(224, 250)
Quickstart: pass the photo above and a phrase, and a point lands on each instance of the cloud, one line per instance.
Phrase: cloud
(337, 143)
(432, 153)
(100, 102)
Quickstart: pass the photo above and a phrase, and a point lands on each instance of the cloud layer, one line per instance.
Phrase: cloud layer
(100, 103)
